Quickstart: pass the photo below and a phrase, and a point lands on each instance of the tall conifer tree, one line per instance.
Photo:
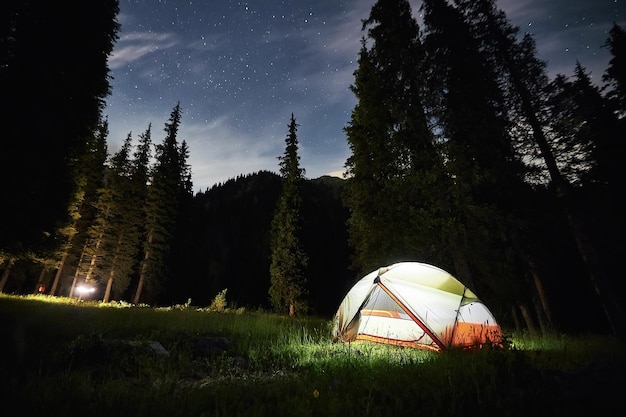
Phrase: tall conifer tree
(88, 175)
(394, 166)
(587, 132)
(166, 183)
(526, 83)
(615, 74)
(473, 127)
(288, 259)
(54, 85)
(115, 233)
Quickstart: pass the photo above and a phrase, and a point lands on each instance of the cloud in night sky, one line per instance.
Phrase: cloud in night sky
(240, 69)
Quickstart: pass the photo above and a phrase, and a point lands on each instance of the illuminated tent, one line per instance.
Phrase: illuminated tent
(417, 305)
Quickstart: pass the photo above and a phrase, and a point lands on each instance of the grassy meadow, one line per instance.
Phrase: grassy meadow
(61, 357)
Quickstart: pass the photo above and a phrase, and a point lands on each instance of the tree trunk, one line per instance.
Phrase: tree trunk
(107, 291)
(542, 320)
(537, 282)
(601, 284)
(142, 275)
(41, 287)
(612, 309)
(142, 278)
(516, 322)
(77, 273)
(530, 325)
(5, 276)
(57, 276)
(543, 300)
(94, 257)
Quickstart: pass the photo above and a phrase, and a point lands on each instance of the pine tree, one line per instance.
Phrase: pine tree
(181, 258)
(526, 82)
(138, 195)
(161, 210)
(497, 40)
(586, 131)
(615, 74)
(140, 170)
(92, 174)
(288, 259)
(88, 175)
(54, 85)
(470, 118)
(185, 185)
(589, 144)
(394, 166)
(115, 234)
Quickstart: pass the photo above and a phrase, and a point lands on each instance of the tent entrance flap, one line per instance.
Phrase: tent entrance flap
(384, 319)
(415, 319)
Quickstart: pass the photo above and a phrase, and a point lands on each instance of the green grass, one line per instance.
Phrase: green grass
(64, 358)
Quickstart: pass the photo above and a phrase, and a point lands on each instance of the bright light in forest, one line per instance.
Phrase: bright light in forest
(85, 289)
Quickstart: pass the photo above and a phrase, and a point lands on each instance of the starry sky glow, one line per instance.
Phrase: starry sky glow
(240, 68)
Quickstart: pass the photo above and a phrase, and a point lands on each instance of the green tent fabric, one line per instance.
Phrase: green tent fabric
(418, 305)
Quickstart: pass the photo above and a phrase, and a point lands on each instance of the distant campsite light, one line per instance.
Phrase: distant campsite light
(85, 289)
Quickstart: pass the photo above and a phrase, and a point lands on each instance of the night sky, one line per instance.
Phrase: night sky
(240, 68)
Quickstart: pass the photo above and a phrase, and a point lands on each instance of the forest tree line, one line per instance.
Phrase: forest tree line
(464, 154)
(465, 149)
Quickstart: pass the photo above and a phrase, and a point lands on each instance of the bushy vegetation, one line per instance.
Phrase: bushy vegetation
(71, 358)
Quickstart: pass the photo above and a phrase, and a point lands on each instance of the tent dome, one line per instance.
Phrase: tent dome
(418, 305)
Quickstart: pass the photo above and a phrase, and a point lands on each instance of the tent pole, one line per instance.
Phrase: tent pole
(357, 316)
(458, 311)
